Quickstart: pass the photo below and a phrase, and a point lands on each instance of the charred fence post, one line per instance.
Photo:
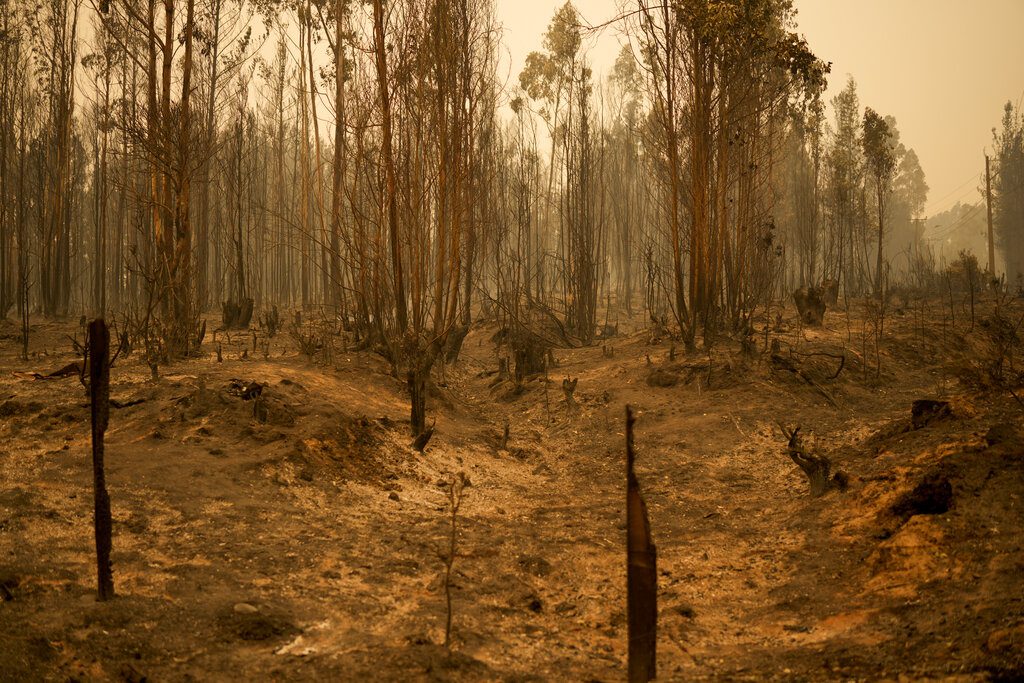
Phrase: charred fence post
(99, 394)
(641, 574)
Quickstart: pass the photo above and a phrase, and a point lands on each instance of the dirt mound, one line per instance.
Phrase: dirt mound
(722, 371)
(245, 621)
(357, 449)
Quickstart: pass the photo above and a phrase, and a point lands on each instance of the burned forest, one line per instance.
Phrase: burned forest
(497, 340)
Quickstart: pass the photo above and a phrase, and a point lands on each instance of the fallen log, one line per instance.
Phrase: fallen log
(783, 363)
(73, 369)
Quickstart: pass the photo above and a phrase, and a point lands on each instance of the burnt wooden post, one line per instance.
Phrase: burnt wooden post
(99, 393)
(641, 574)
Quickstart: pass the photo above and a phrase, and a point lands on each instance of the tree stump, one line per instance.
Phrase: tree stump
(810, 305)
(662, 377)
(817, 467)
(236, 315)
(829, 292)
(569, 389)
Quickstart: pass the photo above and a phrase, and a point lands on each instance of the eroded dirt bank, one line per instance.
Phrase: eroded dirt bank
(301, 541)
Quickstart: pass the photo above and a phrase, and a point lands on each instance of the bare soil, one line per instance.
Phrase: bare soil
(302, 540)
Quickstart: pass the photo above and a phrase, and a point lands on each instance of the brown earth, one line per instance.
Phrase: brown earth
(303, 539)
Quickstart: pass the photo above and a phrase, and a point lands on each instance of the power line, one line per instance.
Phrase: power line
(958, 224)
(931, 207)
(937, 202)
(961, 222)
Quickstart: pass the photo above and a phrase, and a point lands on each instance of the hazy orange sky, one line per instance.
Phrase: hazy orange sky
(943, 68)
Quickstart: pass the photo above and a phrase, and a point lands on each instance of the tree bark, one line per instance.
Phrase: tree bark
(337, 289)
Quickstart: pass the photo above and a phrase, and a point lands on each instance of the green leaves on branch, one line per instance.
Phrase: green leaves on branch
(879, 148)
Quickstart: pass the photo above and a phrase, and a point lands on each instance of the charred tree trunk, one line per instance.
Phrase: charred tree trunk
(99, 389)
(23, 275)
(417, 381)
(337, 195)
(641, 574)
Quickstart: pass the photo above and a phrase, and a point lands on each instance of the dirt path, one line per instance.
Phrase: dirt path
(757, 579)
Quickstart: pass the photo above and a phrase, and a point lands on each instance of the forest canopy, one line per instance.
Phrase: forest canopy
(162, 160)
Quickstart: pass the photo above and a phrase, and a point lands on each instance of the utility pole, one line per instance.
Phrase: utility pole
(988, 203)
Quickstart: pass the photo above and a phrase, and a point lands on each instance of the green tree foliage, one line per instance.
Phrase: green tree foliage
(722, 77)
(904, 231)
(880, 155)
(844, 177)
(546, 73)
(798, 179)
(1008, 192)
(878, 144)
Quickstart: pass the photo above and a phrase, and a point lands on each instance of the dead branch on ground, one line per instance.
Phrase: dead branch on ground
(816, 467)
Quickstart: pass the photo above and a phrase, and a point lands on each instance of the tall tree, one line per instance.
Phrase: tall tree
(879, 152)
(844, 178)
(1008, 193)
